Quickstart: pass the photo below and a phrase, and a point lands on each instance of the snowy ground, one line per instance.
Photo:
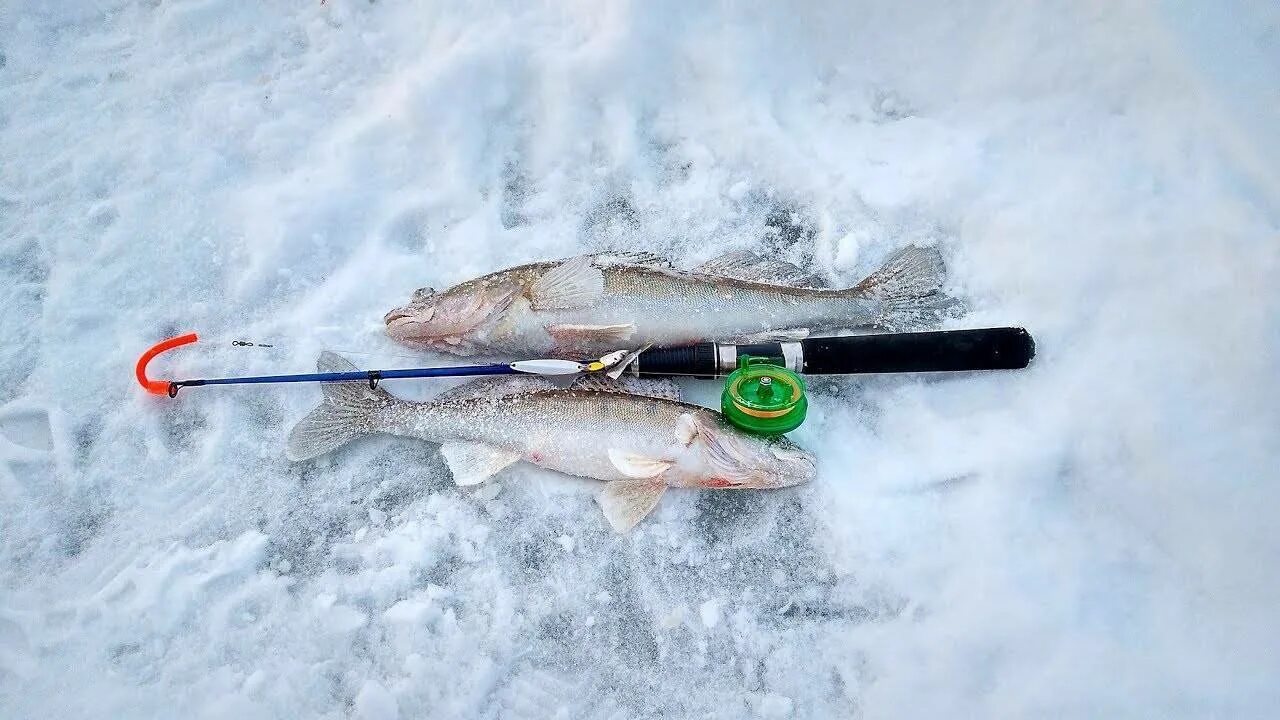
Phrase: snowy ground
(1094, 537)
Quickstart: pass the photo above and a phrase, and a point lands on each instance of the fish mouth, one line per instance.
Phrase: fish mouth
(802, 471)
(414, 313)
(396, 314)
(798, 466)
(411, 328)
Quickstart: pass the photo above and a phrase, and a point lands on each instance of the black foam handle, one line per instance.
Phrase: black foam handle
(697, 360)
(1005, 348)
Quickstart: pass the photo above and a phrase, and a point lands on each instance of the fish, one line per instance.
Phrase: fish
(638, 443)
(592, 304)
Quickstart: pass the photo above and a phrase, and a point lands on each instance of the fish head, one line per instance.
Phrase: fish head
(450, 321)
(719, 455)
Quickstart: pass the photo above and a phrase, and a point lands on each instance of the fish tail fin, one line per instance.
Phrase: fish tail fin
(908, 287)
(349, 410)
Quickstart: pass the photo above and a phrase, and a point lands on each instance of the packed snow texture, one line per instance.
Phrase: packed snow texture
(1092, 537)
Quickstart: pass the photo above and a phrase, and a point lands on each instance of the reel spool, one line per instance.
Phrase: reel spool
(763, 398)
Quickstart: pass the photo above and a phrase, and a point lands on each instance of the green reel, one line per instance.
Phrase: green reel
(763, 398)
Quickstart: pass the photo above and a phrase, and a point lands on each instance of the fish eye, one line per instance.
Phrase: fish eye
(425, 293)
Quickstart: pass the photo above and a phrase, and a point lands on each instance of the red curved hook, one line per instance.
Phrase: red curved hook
(160, 387)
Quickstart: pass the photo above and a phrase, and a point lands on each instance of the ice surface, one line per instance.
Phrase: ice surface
(1093, 537)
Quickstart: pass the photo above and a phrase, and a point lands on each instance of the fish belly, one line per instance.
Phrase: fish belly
(584, 451)
(568, 433)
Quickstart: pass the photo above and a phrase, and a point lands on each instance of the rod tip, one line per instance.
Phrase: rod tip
(160, 387)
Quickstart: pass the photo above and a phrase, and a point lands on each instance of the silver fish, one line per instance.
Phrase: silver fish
(639, 444)
(588, 305)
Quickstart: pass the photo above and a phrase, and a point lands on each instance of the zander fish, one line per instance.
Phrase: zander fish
(592, 304)
(639, 444)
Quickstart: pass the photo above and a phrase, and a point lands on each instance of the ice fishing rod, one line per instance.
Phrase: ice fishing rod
(1004, 348)
(763, 393)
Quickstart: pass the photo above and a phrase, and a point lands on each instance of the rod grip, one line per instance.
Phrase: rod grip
(697, 360)
(1004, 348)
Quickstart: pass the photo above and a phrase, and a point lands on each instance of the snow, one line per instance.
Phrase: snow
(775, 706)
(709, 611)
(1093, 537)
(374, 702)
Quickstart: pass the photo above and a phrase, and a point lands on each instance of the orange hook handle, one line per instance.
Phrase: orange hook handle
(159, 387)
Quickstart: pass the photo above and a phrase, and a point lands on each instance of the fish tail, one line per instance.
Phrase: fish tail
(349, 410)
(908, 287)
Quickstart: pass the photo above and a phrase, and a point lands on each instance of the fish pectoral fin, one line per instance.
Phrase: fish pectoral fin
(473, 463)
(573, 335)
(627, 502)
(638, 466)
(687, 428)
(574, 283)
(746, 265)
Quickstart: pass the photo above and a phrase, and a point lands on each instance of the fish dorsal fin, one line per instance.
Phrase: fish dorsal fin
(632, 257)
(574, 283)
(638, 466)
(627, 502)
(663, 388)
(746, 265)
(473, 463)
